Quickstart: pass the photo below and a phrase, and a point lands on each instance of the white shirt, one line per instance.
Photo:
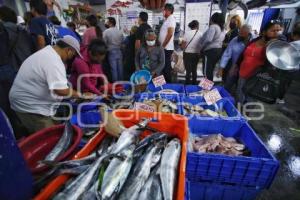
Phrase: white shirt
(168, 23)
(113, 38)
(41, 73)
(193, 47)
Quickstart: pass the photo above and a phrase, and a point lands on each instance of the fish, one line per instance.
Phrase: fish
(75, 170)
(82, 183)
(150, 139)
(116, 174)
(63, 143)
(168, 168)
(217, 143)
(129, 136)
(152, 188)
(139, 175)
(92, 193)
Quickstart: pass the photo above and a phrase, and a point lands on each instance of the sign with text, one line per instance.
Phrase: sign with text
(159, 81)
(206, 84)
(144, 107)
(212, 96)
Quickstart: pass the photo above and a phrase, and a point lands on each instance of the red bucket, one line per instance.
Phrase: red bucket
(38, 145)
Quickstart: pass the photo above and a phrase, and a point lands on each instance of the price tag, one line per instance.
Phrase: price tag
(144, 107)
(206, 84)
(159, 81)
(212, 96)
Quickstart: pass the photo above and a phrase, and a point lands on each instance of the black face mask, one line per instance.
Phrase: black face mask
(106, 26)
(232, 26)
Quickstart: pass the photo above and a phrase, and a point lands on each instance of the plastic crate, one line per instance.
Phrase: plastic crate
(86, 118)
(171, 97)
(165, 123)
(214, 191)
(86, 106)
(189, 89)
(223, 104)
(176, 87)
(258, 169)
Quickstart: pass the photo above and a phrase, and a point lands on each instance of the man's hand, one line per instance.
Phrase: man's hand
(220, 72)
(233, 70)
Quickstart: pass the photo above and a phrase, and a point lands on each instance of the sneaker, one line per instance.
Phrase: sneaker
(280, 101)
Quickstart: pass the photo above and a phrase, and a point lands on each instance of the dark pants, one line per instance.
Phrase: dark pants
(210, 59)
(191, 62)
(285, 78)
(167, 72)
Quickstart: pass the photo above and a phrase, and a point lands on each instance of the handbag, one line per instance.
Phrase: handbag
(263, 85)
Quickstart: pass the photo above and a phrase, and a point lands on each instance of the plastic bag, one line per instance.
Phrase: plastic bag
(177, 62)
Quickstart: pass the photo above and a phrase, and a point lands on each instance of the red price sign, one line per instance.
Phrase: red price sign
(206, 84)
(159, 81)
(144, 107)
(212, 96)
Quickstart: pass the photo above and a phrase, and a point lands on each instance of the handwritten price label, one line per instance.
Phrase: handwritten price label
(144, 107)
(206, 84)
(212, 96)
(159, 81)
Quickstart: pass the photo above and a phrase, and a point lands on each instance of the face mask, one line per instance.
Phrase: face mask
(106, 26)
(232, 26)
(150, 43)
(280, 32)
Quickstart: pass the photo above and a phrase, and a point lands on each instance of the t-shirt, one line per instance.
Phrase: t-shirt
(253, 58)
(42, 26)
(140, 33)
(168, 23)
(193, 46)
(41, 73)
(113, 38)
(88, 36)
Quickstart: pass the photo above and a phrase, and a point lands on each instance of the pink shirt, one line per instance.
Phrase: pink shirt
(84, 66)
(88, 36)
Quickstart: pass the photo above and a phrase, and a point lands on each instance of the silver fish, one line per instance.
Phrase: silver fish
(63, 143)
(168, 168)
(129, 136)
(152, 189)
(92, 193)
(75, 170)
(116, 174)
(156, 190)
(139, 175)
(82, 183)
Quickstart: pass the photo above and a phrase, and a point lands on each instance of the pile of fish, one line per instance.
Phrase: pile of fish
(217, 143)
(189, 109)
(114, 103)
(128, 168)
(162, 105)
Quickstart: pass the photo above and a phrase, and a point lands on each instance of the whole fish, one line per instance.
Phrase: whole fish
(82, 183)
(92, 193)
(150, 189)
(63, 143)
(156, 190)
(116, 174)
(129, 136)
(150, 139)
(168, 168)
(139, 175)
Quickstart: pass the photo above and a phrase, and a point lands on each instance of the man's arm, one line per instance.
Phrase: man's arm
(168, 37)
(67, 92)
(137, 45)
(40, 41)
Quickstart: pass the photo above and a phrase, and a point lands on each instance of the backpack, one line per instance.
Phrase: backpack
(21, 45)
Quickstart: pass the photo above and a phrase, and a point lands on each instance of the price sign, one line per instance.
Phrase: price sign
(144, 107)
(206, 84)
(212, 96)
(159, 81)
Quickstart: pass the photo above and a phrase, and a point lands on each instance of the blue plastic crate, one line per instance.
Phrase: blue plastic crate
(223, 104)
(176, 87)
(86, 118)
(215, 191)
(223, 92)
(171, 97)
(257, 170)
(86, 106)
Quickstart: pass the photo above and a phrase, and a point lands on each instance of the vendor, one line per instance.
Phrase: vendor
(41, 83)
(151, 55)
(89, 64)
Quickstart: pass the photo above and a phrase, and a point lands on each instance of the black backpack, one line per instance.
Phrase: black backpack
(21, 45)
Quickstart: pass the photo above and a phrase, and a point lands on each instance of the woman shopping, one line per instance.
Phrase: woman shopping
(191, 52)
(151, 55)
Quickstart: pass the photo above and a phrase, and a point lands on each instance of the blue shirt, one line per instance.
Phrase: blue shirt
(42, 26)
(63, 31)
(232, 52)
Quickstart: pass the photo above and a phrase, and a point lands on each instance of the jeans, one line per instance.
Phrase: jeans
(167, 72)
(210, 59)
(116, 63)
(241, 97)
(190, 63)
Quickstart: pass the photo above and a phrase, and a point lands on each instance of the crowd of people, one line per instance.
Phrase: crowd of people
(43, 60)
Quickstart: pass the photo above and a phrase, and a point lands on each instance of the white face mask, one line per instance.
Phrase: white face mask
(150, 43)
(280, 32)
